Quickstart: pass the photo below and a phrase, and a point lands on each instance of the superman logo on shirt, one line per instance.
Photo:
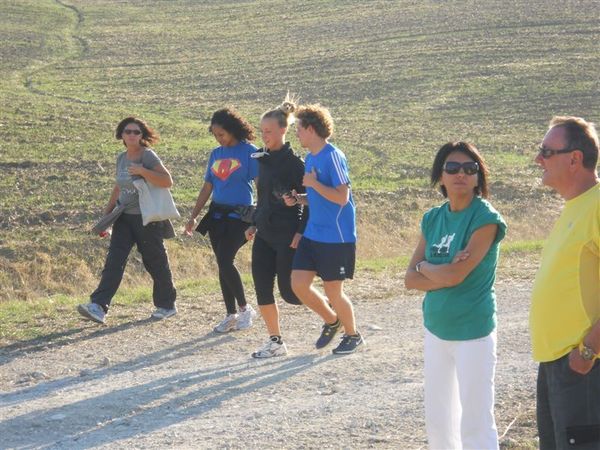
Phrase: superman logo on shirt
(222, 168)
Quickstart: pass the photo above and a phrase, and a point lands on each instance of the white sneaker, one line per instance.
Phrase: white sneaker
(270, 349)
(228, 324)
(245, 318)
(163, 313)
(93, 312)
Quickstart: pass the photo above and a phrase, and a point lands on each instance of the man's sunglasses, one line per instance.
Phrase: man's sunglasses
(453, 167)
(136, 132)
(547, 153)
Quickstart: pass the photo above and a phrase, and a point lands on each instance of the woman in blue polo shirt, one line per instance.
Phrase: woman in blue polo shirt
(328, 246)
(229, 176)
(455, 264)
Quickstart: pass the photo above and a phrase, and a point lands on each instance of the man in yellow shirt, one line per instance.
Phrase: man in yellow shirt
(565, 305)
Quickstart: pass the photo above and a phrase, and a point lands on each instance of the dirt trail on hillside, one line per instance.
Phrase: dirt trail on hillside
(176, 384)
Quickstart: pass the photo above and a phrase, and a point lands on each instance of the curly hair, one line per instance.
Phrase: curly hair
(469, 150)
(318, 117)
(232, 122)
(284, 113)
(149, 136)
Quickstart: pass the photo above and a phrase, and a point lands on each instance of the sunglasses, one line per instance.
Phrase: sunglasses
(136, 132)
(453, 167)
(547, 153)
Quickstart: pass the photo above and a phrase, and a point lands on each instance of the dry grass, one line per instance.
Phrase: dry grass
(400, 79)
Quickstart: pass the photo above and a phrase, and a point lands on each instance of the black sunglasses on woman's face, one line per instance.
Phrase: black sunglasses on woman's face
(136, 132)
(469, 167)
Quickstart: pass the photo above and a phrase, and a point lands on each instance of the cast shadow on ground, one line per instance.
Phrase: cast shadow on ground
(124, 413)
(142, 361)
(61, 338)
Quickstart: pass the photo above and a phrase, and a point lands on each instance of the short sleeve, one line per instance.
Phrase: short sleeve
(208, 176)
(339, 169)
(425, 222)
(150, 159)
(252, 167)
(488, 215)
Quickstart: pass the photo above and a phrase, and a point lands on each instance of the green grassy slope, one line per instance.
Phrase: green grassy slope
(400, 77)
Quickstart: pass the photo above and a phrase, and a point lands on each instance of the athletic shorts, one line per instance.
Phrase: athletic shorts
(330, 261)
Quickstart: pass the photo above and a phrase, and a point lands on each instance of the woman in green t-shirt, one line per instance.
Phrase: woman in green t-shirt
(455, 264)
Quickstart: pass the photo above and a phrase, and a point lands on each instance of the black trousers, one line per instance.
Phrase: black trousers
(226, 238)
(270, 260)
(568, 406)
(128, 230)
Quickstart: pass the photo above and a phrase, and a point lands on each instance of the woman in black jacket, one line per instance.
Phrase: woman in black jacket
(278, 228)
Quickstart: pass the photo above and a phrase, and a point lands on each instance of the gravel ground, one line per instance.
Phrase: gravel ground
(176, 384)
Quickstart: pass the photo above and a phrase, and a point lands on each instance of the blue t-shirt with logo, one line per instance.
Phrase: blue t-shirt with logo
(231, 170)
(327, 221)
(467, 310)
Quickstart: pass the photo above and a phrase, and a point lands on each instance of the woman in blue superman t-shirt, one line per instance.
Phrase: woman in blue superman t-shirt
(228, 178)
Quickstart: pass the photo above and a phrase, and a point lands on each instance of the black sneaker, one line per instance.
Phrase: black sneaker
(327, 334)
(349, 344)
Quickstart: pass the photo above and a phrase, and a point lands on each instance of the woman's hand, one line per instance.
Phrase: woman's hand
(295, 240)
(460, 256)
(250, 232)
(291, 198)
(190, 226)
(137, 169)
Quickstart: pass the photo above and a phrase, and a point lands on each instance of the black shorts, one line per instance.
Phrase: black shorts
(331, 261)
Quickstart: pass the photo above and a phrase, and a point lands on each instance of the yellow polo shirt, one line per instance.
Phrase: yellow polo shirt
(565, 301)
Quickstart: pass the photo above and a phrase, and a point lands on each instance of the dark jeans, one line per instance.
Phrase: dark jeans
(226, 238)
(269, 260)
(568, 406)
(128, 230)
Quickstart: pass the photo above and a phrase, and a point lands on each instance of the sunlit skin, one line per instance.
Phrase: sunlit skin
(273, 136)
(556, 173)
(158, 176)
(223, 137)
(310, 140)
(302, 279)
(460, 187)
(565, 173)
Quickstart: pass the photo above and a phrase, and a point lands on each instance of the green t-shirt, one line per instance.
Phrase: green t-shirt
(467, 310)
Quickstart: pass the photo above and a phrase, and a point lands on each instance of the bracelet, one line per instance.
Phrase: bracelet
(418, 267)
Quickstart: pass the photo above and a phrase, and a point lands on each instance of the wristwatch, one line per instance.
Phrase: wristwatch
(587, 353)
(418, 267)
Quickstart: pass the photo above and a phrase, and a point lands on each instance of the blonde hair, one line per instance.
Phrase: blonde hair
(284, 113)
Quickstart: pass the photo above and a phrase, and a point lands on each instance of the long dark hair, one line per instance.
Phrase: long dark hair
(471, 151)
(232, 122)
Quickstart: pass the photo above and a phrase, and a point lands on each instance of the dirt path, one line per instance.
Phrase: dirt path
(176, 384)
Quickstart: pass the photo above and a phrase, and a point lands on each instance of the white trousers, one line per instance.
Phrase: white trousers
(459, 393)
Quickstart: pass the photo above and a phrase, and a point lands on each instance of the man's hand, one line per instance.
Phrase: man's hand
(310, 179)
(578, 364)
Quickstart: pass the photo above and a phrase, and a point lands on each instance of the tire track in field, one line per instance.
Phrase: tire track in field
(83, 49)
